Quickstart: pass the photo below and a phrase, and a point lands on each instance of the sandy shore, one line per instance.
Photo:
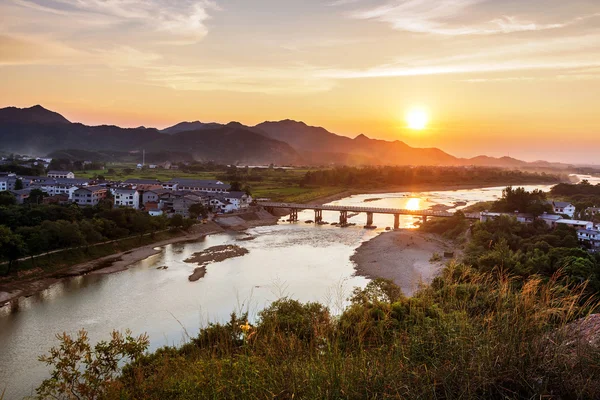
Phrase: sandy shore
(404, 256)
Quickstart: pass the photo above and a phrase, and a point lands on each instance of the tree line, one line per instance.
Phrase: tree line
(30, 230)
(377, 176)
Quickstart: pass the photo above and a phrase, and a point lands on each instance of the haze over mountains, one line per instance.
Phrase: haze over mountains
(39, 131)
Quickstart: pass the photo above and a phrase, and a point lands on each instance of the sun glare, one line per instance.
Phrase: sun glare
(417, 118)
(413, 204)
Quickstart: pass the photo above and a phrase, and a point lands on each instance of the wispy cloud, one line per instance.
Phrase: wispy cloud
(178, 22)
(453, 17)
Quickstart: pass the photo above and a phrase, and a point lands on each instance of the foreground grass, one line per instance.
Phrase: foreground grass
(469, 335)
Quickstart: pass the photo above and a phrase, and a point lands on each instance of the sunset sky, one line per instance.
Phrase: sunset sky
(497, 77)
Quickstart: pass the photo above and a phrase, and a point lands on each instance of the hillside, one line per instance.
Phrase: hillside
(39, 131)
(189, 126)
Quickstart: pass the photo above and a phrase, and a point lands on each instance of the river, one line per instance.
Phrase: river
(302, 261)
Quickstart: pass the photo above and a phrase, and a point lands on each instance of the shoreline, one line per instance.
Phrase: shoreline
(403, 256)
(12, 291)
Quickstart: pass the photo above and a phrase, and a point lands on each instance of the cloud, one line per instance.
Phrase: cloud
(175, 22)
(453, 17)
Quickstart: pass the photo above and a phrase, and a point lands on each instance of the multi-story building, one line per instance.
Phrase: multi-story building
(194, 185)
(563, 207)
(90, 195)
(127, 198)
(61, 174)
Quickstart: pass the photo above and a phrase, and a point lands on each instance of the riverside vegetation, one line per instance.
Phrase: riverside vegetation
(496, 326)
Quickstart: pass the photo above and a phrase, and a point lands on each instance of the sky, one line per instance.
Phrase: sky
(498, 77)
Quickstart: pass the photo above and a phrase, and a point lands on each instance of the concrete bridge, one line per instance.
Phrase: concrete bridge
(344, 210)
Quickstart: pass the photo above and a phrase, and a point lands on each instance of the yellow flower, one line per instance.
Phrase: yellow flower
(246, 327)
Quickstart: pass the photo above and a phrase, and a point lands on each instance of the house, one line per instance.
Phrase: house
(56, 199)
(194, 185)
(589, 236)
(134, 183)
(240, 200)
(7, 183)
(152, 166)
(152, 196)
(182, 205)
(563, 207)
(576, 224)
(550, 219)
(520, 217)
(61, 174)
(54, 186)
(592, 211)
(89, 195)
(127, 198)
(219, 204)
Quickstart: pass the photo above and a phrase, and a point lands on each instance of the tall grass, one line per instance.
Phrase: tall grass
(469, 335)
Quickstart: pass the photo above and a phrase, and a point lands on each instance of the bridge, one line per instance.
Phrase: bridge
(344, 210)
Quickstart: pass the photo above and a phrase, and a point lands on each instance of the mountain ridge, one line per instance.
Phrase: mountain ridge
(281, 142)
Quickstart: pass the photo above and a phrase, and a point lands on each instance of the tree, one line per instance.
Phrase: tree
(176, 221)
(7, 199)
(81, 371)
(18, 184)
(36, 196)
(11, 246)
(236, 186)
(197, 210)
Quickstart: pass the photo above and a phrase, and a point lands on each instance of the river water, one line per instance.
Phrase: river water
(302, 261)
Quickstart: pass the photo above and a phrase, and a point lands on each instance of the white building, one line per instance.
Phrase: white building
(576, 224)
(89, 196)
(520, 217)
(240, 200)
(127, 198)
(563, 207)
(194, 185)
(550, 219)
(592, 237)
(61, 174)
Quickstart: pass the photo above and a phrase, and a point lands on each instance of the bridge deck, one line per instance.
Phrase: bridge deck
(375, 210)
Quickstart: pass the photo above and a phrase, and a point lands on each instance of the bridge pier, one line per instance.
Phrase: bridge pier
(396, 221)
(343, 217)
(318, 216)
(424, 218)
(293, 215)
(369, 219)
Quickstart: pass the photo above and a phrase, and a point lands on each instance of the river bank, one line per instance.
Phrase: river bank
(407, 257)
(12, 290)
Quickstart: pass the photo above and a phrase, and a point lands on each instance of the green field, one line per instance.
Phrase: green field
(277, 185)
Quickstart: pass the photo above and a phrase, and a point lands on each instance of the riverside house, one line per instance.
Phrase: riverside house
(127, 198)
(90, 195)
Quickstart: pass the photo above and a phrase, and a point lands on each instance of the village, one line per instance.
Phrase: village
(174, 197)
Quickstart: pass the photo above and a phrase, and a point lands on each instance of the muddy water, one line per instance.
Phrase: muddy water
(302, 261)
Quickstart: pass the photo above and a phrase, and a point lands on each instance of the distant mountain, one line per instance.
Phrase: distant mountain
(318, 140)
(38, 131)
(190, 126)
(36, 114)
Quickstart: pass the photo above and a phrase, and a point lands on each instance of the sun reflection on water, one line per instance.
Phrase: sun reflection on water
(414, 204)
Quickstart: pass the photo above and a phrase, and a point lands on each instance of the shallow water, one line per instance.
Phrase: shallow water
(302, 261)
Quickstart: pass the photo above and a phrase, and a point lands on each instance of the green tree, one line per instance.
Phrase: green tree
(36, 196)
(11, 246)
(176, 221)
(80, 371)
(18, 184)
(197, 210)
(7, 199)
(236, 186)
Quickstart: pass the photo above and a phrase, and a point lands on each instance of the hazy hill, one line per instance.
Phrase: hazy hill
(39, 131)
(190, 126)
(36, 130)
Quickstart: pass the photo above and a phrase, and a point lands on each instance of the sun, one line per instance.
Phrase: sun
(417, 118)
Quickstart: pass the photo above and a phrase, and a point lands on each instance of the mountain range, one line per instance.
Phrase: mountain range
(39, 131)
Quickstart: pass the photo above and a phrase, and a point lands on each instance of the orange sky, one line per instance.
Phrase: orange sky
(510, 77)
